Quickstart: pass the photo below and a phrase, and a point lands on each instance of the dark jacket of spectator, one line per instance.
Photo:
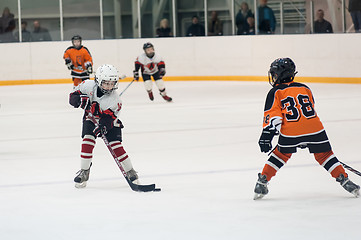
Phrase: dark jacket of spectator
(215, 25)
(323, 26)
(195, 29)
(241, 22)
(39, 33)
(266, 20)
(163, 32)
(354, 5)
(7, 22)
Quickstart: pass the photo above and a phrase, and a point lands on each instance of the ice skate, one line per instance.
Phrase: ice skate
(150, 94)
(133, 176)
(260, 189)
(82, 178)
(165, 97)
(348, 185)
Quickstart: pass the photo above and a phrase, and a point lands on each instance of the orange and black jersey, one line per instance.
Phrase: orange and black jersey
(289, 109)
(81, 59)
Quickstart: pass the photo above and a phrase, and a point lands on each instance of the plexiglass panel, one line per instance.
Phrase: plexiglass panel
(42, 19)
(81, 17)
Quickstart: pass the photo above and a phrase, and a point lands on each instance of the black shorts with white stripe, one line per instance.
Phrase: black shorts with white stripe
(315, 142)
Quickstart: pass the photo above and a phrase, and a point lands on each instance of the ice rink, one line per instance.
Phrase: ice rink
(201, 150)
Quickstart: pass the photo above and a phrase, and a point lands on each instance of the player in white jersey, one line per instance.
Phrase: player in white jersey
(100, 98)
(151, 64)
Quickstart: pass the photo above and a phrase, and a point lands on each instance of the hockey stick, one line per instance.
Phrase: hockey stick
(126, 87)
(133, 186)
(350, 168)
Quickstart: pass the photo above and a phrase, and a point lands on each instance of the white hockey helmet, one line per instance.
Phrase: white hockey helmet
(107, 78)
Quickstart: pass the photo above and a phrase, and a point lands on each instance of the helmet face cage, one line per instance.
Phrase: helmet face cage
(76, 37)
(105, 74)
(282, 70)
(148, 45)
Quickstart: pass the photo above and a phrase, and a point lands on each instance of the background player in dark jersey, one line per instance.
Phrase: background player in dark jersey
(79, 60)
(289, 111)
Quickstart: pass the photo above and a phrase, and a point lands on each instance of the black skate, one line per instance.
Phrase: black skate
(260, 189)
(348, 185)
(150, 94)
(165, 97)
(132, 176)
(82, 178)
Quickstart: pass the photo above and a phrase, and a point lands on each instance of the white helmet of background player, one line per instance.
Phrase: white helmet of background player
(148, 49)
(107, 78)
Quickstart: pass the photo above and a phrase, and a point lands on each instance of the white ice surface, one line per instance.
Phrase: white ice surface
(201, 150)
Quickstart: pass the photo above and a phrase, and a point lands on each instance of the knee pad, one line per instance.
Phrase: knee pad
(148, 85)
(160, 84)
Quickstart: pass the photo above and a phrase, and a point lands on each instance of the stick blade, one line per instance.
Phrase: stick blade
(141, 188)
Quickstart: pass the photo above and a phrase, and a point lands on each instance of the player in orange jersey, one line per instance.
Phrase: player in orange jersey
(289, 111)
(79, 60)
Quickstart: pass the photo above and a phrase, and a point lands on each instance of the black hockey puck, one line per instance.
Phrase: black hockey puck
(157, 190)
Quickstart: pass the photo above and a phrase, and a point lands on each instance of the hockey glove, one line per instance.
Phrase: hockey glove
(265, 141)
(84, 101)
(136, 75)
(70, 66)
(98, 130)
(161, 72)
(105, 124)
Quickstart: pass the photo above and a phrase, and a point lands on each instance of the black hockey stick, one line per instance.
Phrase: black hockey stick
(350, 168)
(126, 87)
(133, 186)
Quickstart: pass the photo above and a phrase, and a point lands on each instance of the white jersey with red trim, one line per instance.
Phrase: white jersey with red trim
(110, 101)
(149, 65)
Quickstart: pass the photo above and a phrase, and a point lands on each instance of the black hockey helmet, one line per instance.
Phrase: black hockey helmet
(282, 70)
(76, 37)
(147, 45)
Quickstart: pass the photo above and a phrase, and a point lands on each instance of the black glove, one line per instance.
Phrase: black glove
(98, 130)
(161, 72)
(84, 101)
(265, 141)
(70, 66)
(135, 75)
(105, 124)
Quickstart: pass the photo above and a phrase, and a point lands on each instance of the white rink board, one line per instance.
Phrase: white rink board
(317, 55)
(201, 150)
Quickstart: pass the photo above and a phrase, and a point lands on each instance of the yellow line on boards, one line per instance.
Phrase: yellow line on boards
(196, 78)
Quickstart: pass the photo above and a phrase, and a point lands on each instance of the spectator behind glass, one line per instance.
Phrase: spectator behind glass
(354, 7)
(39, 33)
(7, 26)
(26, 35)
(164, 30)
(266, 19)
(215, 25)
(321, 25)
(241, 19)
(251, 24)
(195, 29)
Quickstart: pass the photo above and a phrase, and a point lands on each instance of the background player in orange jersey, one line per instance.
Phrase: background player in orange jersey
(289, 111)
(79, 60)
